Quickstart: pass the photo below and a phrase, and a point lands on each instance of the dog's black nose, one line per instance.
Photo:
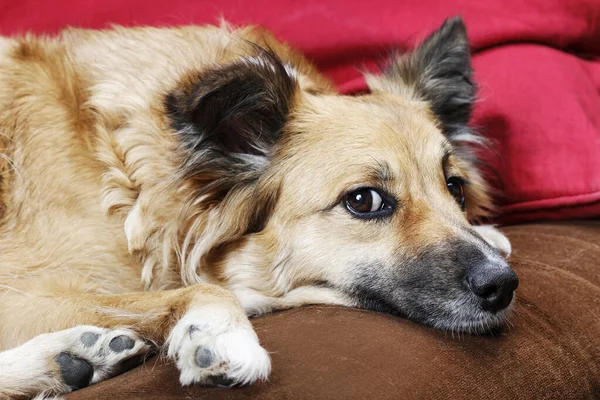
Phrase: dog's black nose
(494, 283)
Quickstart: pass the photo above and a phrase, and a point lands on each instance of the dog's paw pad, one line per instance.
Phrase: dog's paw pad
(89, 338)
(204, 357)
(75, 372)
(121, 343)
(89, 354)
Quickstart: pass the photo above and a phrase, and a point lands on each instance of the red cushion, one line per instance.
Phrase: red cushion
(537, 62)
(542, 109)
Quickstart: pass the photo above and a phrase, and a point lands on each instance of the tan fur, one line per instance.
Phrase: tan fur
(81, 136)
(335, 165)
(98, 228)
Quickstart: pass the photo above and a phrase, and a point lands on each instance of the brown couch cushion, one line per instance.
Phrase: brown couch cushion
(552, 350)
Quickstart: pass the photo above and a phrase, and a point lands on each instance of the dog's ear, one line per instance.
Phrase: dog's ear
(439, 72)
(229, 118)
(228, 121)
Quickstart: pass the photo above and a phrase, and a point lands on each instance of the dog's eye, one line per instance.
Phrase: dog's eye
(367, 203)
(456, 189)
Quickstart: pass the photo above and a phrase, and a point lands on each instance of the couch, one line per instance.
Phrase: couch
(550, 351)
(538, 68)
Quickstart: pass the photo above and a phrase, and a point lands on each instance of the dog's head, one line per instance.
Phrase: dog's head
(366, 201)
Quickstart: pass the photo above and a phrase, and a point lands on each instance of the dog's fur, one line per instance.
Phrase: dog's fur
(166, 180)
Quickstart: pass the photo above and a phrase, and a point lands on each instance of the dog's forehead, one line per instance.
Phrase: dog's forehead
(355, 132)
(335, 146)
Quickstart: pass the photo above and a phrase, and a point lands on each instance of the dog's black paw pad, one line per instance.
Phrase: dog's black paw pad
(222, 381)
(121, 343)
(204, 357)
(75, 372)
(89, 338)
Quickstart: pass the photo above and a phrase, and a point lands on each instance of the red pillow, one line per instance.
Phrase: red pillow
(537, 62)
(542, 110)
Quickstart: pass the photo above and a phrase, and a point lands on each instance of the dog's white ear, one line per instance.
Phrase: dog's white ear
(439, 72)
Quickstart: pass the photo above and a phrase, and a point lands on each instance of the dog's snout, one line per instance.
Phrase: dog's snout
(494, 283)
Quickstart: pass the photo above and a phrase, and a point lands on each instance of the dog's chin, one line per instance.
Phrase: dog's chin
(472, 320)
(463, 314)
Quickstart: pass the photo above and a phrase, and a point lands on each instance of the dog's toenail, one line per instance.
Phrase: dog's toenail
(89, 338)
(121, 343)
(192, 329)
(221, 381)
(75, 372)
(204, 357)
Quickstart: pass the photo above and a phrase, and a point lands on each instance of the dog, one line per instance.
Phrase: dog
(160, 185)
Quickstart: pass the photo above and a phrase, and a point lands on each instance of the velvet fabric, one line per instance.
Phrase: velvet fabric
(550, 351)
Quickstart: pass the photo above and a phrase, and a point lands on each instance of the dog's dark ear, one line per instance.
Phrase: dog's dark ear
(439, 72)
(229, 118)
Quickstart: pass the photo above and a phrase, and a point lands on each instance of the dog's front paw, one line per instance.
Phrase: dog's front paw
(67, 360)
(213, 347)
(495, 238)
(90, 354)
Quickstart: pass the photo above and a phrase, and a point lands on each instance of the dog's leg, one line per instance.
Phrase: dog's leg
(67, 360)
(495, 238)
(203, 328)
